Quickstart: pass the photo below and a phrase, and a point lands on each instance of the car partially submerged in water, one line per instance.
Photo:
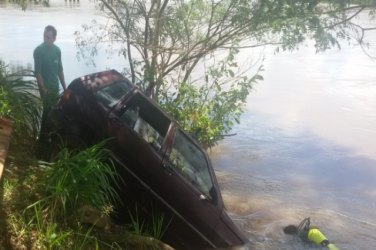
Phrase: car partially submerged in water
(159, 162)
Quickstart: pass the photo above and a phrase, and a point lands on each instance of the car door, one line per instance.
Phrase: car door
(195, 193)
(170, 166)
(139, 137)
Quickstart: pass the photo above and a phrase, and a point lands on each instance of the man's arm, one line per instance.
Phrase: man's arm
(61, 71)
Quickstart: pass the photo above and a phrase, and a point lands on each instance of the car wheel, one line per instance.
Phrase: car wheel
(70, 141)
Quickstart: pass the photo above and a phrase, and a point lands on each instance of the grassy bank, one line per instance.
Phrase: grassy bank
(64, 204)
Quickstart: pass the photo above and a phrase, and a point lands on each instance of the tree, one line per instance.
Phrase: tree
(185, 50)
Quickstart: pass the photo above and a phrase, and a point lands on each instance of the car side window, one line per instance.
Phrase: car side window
(130, 117)
(190, 161)
(149, 123)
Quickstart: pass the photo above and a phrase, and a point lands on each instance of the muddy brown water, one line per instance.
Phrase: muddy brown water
(306, 145)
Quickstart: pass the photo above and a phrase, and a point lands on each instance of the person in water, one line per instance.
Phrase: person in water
(309, 233)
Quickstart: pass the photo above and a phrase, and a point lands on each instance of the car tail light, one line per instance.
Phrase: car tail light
(64, 99)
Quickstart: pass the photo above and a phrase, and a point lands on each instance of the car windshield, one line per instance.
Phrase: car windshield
(111, 94)
(191, 162)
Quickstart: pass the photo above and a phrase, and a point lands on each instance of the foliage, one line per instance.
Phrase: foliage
(34, 228)
(47, 233)
(208, 111)
(174, 46)
(159, 225)
(42, 225)
(20, 103)
(156, 228)
(79, 178)
(73, 180)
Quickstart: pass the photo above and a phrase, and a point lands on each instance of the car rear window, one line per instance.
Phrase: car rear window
(111, 94)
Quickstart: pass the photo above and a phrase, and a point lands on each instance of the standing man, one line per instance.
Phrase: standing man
(48, 71)
(48, 66)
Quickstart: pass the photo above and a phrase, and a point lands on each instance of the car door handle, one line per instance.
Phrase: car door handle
(202, 197)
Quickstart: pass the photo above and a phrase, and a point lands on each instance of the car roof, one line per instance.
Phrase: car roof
(94, 82)
(98, 80)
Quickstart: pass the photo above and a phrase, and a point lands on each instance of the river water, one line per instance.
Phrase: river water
(306, 145)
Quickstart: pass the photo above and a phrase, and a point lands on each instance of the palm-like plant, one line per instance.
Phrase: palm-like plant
(20, 102)
(75, 179)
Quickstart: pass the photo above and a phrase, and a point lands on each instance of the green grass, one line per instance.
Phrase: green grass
(76, 179)
(30, 218)
(40, 206)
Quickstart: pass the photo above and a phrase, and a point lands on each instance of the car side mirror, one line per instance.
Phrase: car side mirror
(196, 134)
(213, 194)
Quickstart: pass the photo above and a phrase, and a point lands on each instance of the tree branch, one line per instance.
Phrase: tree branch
(126, 30)
(346, 20)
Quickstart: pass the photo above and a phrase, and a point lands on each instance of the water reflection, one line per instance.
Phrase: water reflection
(332, 94)
(280, 177)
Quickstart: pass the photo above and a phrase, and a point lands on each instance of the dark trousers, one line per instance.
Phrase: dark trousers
(49, 101)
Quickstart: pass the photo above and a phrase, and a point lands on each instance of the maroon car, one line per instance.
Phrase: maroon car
(163, 167)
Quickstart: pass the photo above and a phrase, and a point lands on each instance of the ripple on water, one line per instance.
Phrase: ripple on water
(261, 208)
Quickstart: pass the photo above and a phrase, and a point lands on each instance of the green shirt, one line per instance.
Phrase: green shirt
(47, 62)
